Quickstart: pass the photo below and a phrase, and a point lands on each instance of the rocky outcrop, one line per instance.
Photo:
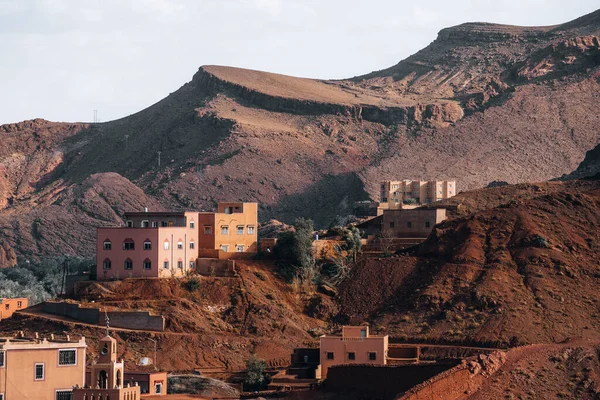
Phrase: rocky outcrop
(435, 114)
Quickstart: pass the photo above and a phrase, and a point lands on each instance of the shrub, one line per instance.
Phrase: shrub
(294, 248)
(256, 376)
(192, 284)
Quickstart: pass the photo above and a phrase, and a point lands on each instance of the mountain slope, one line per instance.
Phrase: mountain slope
(483, 102)
(523, 272)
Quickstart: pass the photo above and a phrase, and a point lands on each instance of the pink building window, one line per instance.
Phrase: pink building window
(128, 244)
(192, 245)
(107, 264)
(180, 244)
(180, 264)
(147, 264)
(128, 264)
(372, 356)
(147, 244)
(166, 245)
(107, 245)
(192, 225)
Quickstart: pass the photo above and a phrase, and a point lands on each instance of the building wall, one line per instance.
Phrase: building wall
(17, 376)
(9, 306)
(412, 223)
(157, 256)
(395, 193)
(169, 219)
(248, 217)
(341, 346)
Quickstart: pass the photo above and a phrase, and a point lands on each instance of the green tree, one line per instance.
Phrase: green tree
(256, 376)
(294, 248)
(352, 241)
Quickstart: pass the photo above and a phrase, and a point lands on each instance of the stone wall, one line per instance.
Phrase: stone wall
(382, 382)
(454, 383)
(138, 320)
(216, 267)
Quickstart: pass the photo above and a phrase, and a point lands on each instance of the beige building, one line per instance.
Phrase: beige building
(107, 376)
(168, 244)
(355, 346)
(407, 193)
(415, 223)
(40, 369)
(9, 306)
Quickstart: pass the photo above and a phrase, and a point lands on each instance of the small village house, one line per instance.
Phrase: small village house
(354, 346)
(9, 306)
(41, 369)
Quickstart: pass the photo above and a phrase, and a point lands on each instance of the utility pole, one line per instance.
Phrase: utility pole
(159, 152)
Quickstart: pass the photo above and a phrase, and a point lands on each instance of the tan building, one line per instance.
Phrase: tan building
(232, 232)
(107, 377)
(9, 306)
(167, 244)
(407, 193)
(151, 383)
(416, 223)
(40, 369)
(355, 346)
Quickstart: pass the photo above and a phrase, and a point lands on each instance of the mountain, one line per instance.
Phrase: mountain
(482, 103)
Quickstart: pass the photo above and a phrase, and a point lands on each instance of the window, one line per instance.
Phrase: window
(363, 333)
(39, 372)
(225, 248)
(192, 245)
(180, 264)
(166, 245)
(154, 224)
(240, 230)
(166, 265)
(384, 199)
(192, 265)
(351, 355)
(63, 395)
(147, 264)
(1, 359)
(67, 357)
(180, 244)
(145, 224)
(164, 224)
(224, 230)
(427, 224)
(409, 224)
(107, 264)
(192, 225)
(392, 224)
(128, 244)
(372, 356)
(107, 245)
(158, 388)
(130, 224)
(147, 245)
(7, 306)
(394, 186)
(208, 230)
(250, 230)
(128, 264)
(19, 304)
(330, 355)
(239, 248)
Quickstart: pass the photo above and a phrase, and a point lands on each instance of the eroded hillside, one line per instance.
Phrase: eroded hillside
(523, 272)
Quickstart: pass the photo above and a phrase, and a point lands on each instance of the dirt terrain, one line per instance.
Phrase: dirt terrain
(523, 272)
(482, 103)
(217, 324)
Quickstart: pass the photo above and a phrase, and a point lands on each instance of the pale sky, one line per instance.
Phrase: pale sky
(63, 59)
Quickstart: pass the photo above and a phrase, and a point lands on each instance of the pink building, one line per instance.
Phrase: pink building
(355, 346)
(167, 244)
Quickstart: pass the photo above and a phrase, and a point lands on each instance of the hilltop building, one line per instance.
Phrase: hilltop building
(107, 376)
(417, 223)
(355, 346)
(9, 306)
(41, 369)
(409, 193)
(168, 244)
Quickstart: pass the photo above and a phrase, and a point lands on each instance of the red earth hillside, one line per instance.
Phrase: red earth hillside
(525, 272)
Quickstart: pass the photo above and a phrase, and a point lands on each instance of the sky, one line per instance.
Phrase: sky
(63, 59)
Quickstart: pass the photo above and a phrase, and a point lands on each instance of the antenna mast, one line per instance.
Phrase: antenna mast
(107, 322)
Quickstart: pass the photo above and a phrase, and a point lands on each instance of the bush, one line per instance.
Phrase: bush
(256, 376)
(192, 284)
(294, 248)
